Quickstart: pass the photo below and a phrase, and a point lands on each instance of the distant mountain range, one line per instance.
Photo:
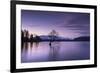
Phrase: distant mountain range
(83, 38)
(57, 38)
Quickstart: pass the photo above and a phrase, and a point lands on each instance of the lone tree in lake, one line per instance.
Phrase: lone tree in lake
(53, 35)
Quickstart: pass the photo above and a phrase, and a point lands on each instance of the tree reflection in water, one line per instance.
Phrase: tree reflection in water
(31, 45)
(36, 44)
(27, 45)
(54, 50)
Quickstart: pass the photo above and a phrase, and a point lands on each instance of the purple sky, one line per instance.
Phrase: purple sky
(67, 24)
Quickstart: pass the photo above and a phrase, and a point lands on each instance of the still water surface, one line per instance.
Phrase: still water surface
(55, 51)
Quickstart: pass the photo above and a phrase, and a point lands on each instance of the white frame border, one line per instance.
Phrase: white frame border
(20, 65)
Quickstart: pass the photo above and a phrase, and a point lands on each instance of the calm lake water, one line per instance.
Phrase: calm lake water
(55, 51)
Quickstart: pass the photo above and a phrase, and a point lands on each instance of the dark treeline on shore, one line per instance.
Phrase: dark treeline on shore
(53, 36)
(26, 37)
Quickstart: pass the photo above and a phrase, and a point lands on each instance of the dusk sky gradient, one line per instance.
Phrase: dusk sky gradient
(67, 24)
